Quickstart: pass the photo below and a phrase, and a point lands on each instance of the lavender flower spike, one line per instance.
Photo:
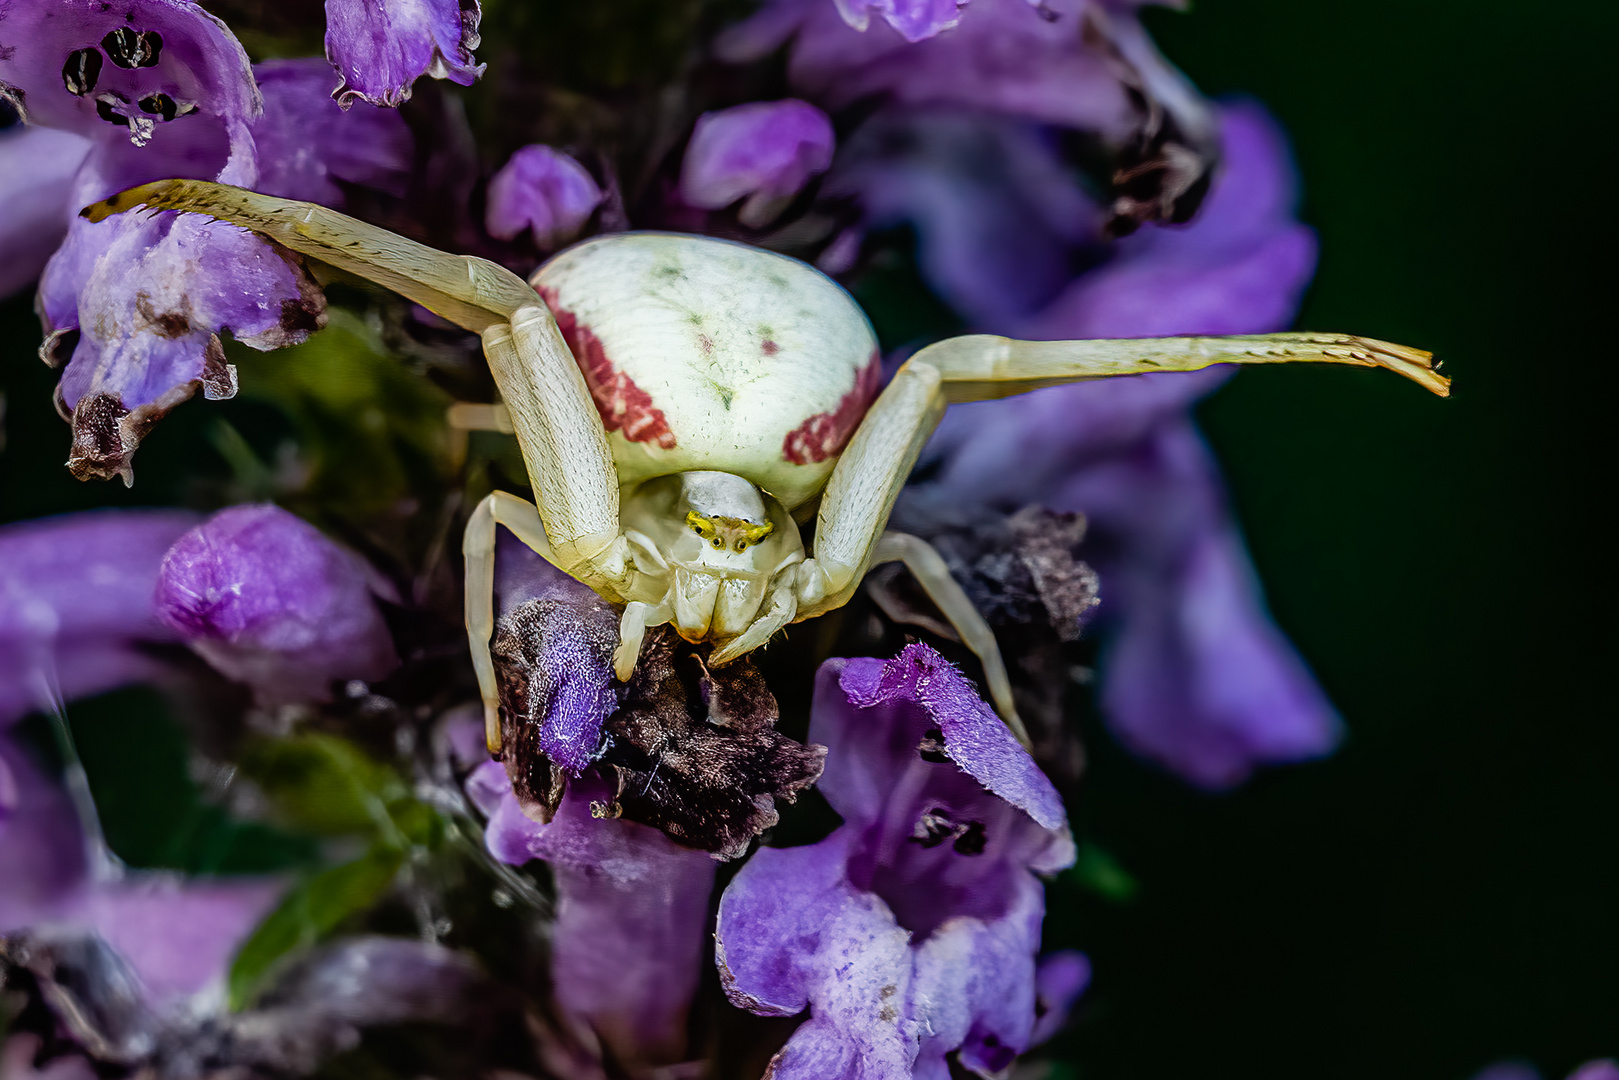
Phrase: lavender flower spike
(268, 600)
(381, 48)
(631, 909)
(764, 152)
(911, 931)
(544, 190)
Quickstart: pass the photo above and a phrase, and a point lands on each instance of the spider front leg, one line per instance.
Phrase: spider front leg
(849, 533)
(575, 522)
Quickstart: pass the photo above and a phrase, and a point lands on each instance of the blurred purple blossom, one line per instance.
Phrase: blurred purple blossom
(1072, 63)
(269, 601)
(17, 1062)
(380, 49)
(632, 906)
(76, 604)
(1194, 675)
(1058, 982)
(764, 152)
(367, 147)
(177, 937)
(911, 931)
(36, 166)
(543, 190)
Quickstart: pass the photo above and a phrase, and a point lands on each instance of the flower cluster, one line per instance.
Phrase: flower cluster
(955, 146)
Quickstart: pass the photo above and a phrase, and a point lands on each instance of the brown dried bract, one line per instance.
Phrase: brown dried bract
(1024, 575)
(695, 750)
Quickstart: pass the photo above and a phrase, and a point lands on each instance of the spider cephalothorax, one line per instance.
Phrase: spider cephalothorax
(683, 403)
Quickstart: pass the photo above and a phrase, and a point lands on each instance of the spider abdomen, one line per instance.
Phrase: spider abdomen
(704, 354)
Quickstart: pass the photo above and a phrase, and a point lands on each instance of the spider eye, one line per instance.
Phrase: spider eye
(717, 542)
(697, 529)
(741, 546)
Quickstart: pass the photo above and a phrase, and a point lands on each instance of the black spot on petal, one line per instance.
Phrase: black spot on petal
(81, 71)
(104, 109)
(160, 104)
(972, 839)
(133, 48)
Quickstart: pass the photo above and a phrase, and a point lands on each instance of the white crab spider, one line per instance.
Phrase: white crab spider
(719, 390)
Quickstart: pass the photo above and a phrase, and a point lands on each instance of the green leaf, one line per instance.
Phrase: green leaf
(310, 912)
(1096, 871)
(324, 784)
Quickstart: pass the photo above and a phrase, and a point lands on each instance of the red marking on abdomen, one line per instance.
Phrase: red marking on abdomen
(825, 434)
(623, 405)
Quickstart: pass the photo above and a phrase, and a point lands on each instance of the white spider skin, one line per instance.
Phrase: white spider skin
(735, 347)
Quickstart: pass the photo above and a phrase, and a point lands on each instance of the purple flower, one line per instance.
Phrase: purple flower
(911, 930)
(1194, 674)
(162, 79)
(76, 604)
(178, 938)
(367, 147)
(543, 190)
(145, 349)
(380, 49)
(17, 1062)
(554, 652)
(1058, 982)
(162, 89)
(36, 166)
(1074, 63)
(631, 912)
(266, 599)
(764, 152)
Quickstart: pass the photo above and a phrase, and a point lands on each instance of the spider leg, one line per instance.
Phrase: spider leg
(478, 546)
(978, 367)
(928, 567)
(470, 292)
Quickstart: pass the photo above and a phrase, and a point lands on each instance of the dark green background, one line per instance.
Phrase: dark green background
(1445, 891)
(1442, 893)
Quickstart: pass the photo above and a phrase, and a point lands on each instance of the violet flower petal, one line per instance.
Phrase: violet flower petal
(43, 859)
(177, 937)
(631, 911)
(369, 147)
(144, 351)
(161, 77)
(1606, 1069)
(1059, 980)
(794, 932)
(381, 49)
(764, 152)
(542, 190)
(554, 646)
(17, 1062)
(1005, 56)
(36, 165)
(1238, 268)
(997, 215)
(1196, 677)
(76, 601)
(916, 20)
(911, 931)
(971, 735)
(268, 600)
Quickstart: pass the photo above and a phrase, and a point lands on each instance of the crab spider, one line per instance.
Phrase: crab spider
(683, 403)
